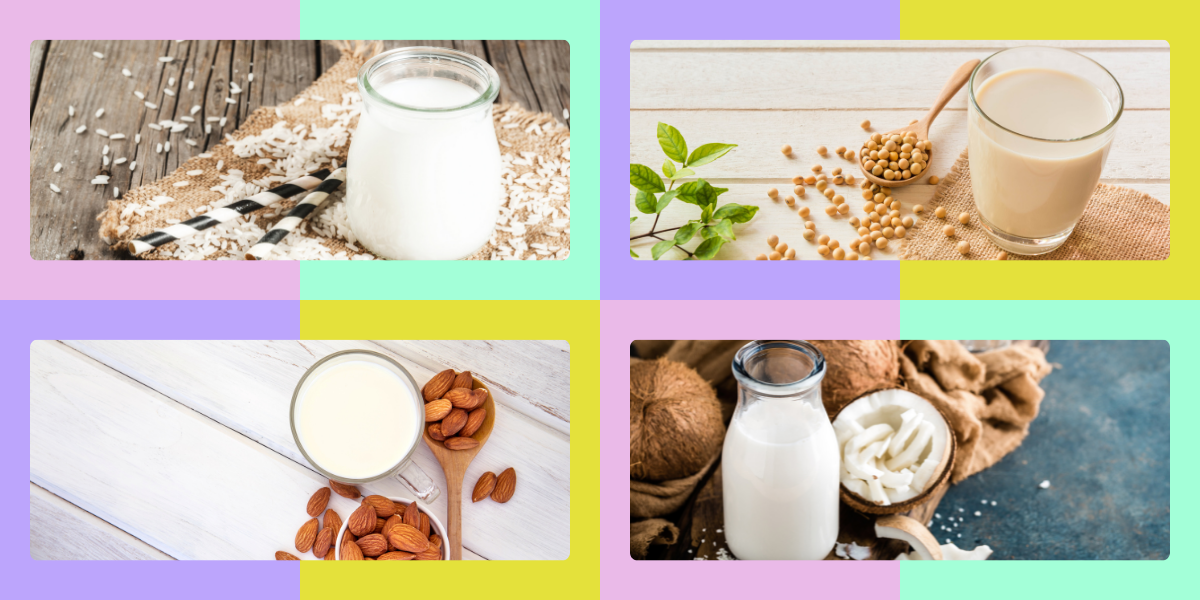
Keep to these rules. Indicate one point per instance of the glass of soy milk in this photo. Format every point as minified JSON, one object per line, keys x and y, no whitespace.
{"x":1041,"y":122}
{"x":357,"y":416}
{"x":780,"y":463}
{"x":423,"y":172}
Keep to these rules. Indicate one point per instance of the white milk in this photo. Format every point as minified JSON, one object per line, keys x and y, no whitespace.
{"x":1031,"y":188}
{"x":424,"y":186}
{"x":780,"y":474}
{"x":332,"y":427}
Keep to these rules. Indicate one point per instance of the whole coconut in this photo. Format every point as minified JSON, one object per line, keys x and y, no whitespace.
{"x":675,"y":423}
{"x":856,"y":367}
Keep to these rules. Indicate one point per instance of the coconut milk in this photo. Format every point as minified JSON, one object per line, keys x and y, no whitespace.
{"x":780,"y":475}
{"x":1029,"y":187}
{"x":357,"y":419}
{"x":424,"y":186}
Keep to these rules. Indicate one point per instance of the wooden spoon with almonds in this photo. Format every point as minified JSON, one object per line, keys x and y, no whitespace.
{"x":454,"y":466}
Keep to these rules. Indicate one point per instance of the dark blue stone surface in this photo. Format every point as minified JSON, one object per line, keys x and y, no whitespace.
{"x":1102,"y":439}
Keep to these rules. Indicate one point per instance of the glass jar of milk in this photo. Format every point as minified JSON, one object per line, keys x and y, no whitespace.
{"x":423,"y":173}
{"x":1040,"y":122}
{"x":780,"y":464}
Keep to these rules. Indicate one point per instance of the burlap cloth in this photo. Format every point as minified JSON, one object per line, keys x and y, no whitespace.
{"x":118,"y":231}
{"x":1118,"y":224}
{"x":990,"y":400}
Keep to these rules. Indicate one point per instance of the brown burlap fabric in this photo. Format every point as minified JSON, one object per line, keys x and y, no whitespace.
{"x":512,"y":124}
{"x":643,"y":534}
{"x":1118,"y":224}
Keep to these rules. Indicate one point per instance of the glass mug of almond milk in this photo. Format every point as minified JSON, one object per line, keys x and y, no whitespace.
{"x":423,"y":172}
{"x":357,"y":416}
{"x":780,"y":463}
{"x":1041,"y":122}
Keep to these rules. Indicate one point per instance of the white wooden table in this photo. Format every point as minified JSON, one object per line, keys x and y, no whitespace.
{"x":764,"y":94}
{"x":182,"y":449}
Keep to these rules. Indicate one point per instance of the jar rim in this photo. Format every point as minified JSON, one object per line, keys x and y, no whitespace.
{"x":429,"y":54}
{"x":768,"y":388}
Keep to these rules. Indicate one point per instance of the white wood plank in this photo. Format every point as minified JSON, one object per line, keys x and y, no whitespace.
{"x":536,"y":374}
{"x":659,"y":45}
{"x":846,"y":80}
{"x":59,"y":530}
{"x":247,"y":387}
{"x":1141,"y":150}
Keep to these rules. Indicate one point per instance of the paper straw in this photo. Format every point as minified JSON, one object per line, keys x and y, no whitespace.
{"x":227,"y":213}
{"x":298,"y":213}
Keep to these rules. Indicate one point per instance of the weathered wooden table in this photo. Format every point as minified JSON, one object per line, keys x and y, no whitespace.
{"x":535,"y":74}
{"x":764,"y":94}
{"x":170,"y":449}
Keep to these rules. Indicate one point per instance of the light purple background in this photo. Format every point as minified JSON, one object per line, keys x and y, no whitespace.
{"x":626,"y":321}
{"x":622,"y":22}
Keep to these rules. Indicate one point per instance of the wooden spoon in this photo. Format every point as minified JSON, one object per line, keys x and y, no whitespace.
{"x":454,"y":466}
{"x":921,"y":127}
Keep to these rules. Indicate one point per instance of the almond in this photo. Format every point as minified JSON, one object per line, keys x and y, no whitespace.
{"x":390,"y":523}
{"x":506,"y":484}
{"x":399,"y":506}
{"x":412,"y":515}
{"x":463,"y":380}
{"x":383,"y":506}
{"x":454,"y":422}
{"x":306,"y":536}
{"x":333,"y":520}
{"x":424,"y":528}
{"x":429,"y":554}
{"x":351,"y":551}
{"x":435,"y":541}
{"x":331,"y":554}
{"x":396,"y":555}
{"x":324,"y":541}
{"x":474,"y":421}
{"x":372,"y":545}
{"x":407,"y":538}
{"x":379,"y":523}
{"x":362,"y":520}
{"x":484,"y":487}
{"x":281,"y":555}
{"x":460,"y":397}
{"x":460,"y":443}
{"x":480,"y":397}
{"x":437,"y":410}
{"x":348,"y":537}
{"x":438,"y":386}
{"x":344,"y":490}
{"x":318,"y":502}
{"x":435,"y":432}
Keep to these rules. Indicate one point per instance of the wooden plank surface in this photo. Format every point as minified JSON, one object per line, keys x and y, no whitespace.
{"x":63,"y":73}
{"x":249,"y":402}
{"x":59,"y":530}
{"x":764,"y":94}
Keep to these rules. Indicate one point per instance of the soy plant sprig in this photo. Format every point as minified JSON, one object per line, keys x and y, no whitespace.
{"x":715,"y":225}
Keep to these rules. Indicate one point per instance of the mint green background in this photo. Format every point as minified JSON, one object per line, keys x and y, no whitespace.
{"x":1172,"y":321}
{"x":577,"y":22}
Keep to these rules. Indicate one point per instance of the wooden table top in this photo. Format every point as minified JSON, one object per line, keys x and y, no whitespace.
{"x":764,"y":94}
{"x":535,"y":74}
{"x":171,"y":449}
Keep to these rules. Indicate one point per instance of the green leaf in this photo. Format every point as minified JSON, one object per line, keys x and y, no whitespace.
{"x":672,"y":143}
{"x":645,"y":202}
{"x":708,"y":232}
{"x":669,"y":169}
{"x":644,"y":178}
{"x":683,"y":173}
{"x":707,"y":153}
{"x":665,"y":200}
{"x":698,"y":192}
{"x":720,"y":191}
{"x":686,"y":233}
{"x":632,"y":219}
{"x":706,"y":213}
{"x":661,"y":248}
{"x":707,"y":195}
{"x":633,"y":254}
{"x":709,"y":248}
{"x":736,"y":212}
{"x":725,"y":230}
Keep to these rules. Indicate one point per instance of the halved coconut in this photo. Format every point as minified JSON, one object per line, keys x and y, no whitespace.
{"x":896,"y":448}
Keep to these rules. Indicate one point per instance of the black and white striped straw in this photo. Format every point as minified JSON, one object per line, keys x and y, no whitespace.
{"x":295,"y":216}
{"x":227,"y":213}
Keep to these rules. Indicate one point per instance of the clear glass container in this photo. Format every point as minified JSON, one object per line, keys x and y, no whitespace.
{"x":423,"y":172}
{"x":780,"y":463}
{"x":1031,"y":191}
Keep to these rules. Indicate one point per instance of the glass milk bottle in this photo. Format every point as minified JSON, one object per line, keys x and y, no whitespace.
{"x":423,"y":173}
{"x":780,"y":462}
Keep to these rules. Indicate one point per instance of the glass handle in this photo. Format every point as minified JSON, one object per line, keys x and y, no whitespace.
{"x":416,"y":480}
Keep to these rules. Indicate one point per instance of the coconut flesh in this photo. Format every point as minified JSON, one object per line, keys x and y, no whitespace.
{"x":892,"y":443}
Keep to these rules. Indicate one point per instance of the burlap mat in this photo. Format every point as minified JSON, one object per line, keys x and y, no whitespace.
{"x":521,"y":234}
{"x":1118,"y":224}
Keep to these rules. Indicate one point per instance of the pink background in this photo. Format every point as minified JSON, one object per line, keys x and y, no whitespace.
{"x":626,"y":321}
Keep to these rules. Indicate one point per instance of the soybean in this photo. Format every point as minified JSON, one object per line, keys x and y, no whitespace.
{"x":786,"y":150}
{"x":940,"y":212}
{"x":964,"y":218}
{"x":964,"y":247}
{"x":948,"y":230}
